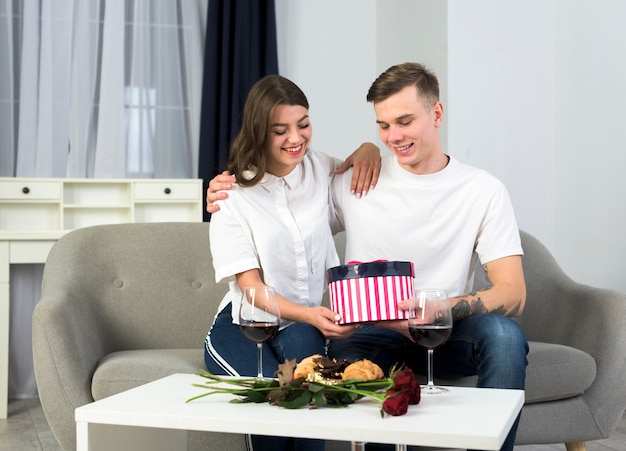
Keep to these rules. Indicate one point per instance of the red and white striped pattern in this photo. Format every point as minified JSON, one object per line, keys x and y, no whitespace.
{"x":370,"y":298}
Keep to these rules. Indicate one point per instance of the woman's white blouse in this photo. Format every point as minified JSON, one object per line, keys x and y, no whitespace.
{"x":280,"y":226}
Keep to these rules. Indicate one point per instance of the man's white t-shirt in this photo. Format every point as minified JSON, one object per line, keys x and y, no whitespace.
{"x":444,"y":222}
{"x":280,"y":226}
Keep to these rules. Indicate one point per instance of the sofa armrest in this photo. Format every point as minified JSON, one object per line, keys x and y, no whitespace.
{"x":560,"y":310}
{"x":67,"y":346}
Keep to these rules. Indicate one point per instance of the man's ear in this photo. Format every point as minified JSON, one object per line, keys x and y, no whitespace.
{"x":437,"y":112}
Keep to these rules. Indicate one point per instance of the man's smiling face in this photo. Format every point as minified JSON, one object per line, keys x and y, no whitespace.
{"x":409,"y":128}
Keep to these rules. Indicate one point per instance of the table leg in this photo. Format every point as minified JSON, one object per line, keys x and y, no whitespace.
{"x":82,"y":436}
{"x":4,"y":328}
{"x":360,"y":446}
{"x":105,"y":437}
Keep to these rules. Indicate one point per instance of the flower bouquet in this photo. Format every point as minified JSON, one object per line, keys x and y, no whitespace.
{"x":395,"y":392}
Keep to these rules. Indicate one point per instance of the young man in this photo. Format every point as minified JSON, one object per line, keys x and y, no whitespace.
{"x":444,"y":216}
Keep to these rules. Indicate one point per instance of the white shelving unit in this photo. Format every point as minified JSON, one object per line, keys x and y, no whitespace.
{"x":36,"y":212}
{"x":65,"y":204}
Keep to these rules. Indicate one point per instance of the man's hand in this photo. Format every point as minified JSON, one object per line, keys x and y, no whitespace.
{"x":223,"y":181}
{"x":366,"y":163}
{"x":400,"y":325}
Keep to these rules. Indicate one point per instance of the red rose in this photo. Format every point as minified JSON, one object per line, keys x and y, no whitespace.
{"x":405,"y":380}
{"x":396,"y":402}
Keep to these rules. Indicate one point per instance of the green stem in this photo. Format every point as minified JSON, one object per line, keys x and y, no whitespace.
{"x":367,"y":388}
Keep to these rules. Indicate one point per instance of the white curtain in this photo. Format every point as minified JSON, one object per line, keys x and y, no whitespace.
{"x":94,"y":88}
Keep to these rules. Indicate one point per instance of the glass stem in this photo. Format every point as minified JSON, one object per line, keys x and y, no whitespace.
{"x":259,"y":346}
{"x":430,"y":367}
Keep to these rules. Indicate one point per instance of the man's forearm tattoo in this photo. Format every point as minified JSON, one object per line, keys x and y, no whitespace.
{"x":467,"y":307}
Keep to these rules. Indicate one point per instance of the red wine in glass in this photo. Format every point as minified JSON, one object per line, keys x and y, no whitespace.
{"x":430,"y":326}
{"x":259,"y":317}
{"x":430,"y":336}
{"x":258,"y":332}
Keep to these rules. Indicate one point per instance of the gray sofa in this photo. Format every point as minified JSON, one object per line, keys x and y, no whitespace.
{"x":126,"y":304}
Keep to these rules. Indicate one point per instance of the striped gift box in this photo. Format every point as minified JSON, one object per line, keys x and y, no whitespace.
{"x":370,"y":291}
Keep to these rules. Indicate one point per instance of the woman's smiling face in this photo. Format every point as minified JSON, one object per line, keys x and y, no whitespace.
{"x":289,"y":137}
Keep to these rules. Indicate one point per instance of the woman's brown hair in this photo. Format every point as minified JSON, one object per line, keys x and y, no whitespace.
{"x":248,"y":150}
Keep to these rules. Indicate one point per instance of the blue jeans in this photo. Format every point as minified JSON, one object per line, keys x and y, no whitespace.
{"x":488,"y":345}
{"x":228,"y":352}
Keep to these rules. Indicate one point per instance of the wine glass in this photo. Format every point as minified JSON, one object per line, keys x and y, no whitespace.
{"x":430,"y":325}
{"x":259,"y":317}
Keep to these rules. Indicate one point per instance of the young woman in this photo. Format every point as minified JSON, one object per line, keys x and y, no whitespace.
{"x":273,"y":229}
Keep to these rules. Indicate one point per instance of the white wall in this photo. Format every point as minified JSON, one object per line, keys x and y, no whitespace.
{"x":414,"y":30}
{"x":328,"y":48}
{"x":501,"y":107}
{"x":536,"y":93}
{"x":590,"y":140}
{"x":533,"y":91}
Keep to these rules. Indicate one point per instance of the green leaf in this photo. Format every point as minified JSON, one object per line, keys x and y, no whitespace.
{"x":349,"y":398}
{"x":265,"y":384}
{"x":300,"y":401}
{"x":239,"y":401}
{"x":297,"y":382}
{"x":255,"y":396}
{"x":319,"y":398}
{"x":276,"y":396}
{"x":315,"y":387}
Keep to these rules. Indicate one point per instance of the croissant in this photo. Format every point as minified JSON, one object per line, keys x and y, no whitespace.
{"x":366,"y":370}
{"x":307,"y":366}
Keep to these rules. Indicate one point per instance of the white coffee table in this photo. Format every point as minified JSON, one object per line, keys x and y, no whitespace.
{"x":462,"y":418}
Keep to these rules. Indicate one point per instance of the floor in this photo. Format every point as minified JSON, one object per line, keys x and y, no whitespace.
{"x":26,"y":429}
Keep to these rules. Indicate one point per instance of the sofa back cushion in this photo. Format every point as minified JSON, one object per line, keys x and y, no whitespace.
{"x":151,"y":285}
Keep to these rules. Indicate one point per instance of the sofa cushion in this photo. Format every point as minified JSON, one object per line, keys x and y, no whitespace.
{"x":554,"y":372}
{"x":120,"y":371}
{"x":557,"y":372}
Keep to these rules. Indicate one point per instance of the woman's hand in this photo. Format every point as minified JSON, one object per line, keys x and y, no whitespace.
{"x":325,"y":319}
{"x":366,"y":163}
